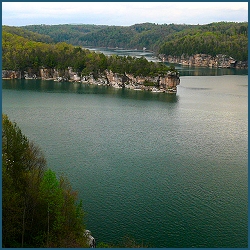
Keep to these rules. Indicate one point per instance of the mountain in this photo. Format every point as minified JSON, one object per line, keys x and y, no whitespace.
{"x":30,"y":35}
{"x":26,"y":51}
{"x":228,"y":38}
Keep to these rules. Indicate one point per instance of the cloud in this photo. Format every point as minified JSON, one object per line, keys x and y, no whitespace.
{"x":122,"y":13}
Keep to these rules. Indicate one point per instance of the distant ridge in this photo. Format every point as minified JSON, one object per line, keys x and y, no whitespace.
{"x":228,"y":38}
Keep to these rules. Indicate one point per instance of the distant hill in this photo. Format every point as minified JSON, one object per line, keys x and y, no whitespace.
{"x":30,"y":35}
{"x":136,"y":36}
{"x":217,"y":38}
{"x":228,"y":38}
{"x":26,"y":51}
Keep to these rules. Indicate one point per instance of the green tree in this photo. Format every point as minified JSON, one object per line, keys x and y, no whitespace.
{"x":20,"y":160}
{"x":52,"y":195}
{"x":38,"y":210}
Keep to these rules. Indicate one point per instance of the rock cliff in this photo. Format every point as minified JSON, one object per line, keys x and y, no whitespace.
{"x":204,"y":60}
{"x":165,"y":83}
{"x":11,"y":74}
{"x":162,"y":83}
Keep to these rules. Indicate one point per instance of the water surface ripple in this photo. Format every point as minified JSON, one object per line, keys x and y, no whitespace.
{"x":169,"y":171}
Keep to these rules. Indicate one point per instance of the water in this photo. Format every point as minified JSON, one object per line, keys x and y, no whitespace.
{"x":149,"y":55}
{"x":166,"y":170}
{"x":184,"y":70}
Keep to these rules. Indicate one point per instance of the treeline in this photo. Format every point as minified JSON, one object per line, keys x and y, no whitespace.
{"x":21,"y":53}
{"x":228,"y":38}
{"x":219,"y":38}
{"x":72,"y":34}
{"x":147,"y":35}
{"x":27,"y":34}
{"x":38,"y":209}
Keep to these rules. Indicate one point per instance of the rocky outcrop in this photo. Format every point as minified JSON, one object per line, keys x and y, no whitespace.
{"x":42,"y":73}
{"x":66,"y":75}
{"x":89,"y":239}
{"x":162,"y":83}
{"x":11,"y":74}
{"x":204,"y":60}
{"x":165,"y":83}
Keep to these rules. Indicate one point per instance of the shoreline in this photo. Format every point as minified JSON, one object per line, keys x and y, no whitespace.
{"x":116,"y":85}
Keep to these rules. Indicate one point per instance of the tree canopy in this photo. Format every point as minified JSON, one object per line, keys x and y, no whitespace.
{"x":38,"y":209}
{"x":230,"y":38}
{"x":21,"y":53}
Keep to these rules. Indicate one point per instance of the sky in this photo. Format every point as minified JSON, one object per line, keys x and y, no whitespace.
{"x":122,"y":13}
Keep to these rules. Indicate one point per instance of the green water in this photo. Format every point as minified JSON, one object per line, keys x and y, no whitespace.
{"x":166,"y":170}
{"x":184,"y":70}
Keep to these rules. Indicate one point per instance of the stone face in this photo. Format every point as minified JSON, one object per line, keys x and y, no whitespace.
{"x":204,"y":60}
{"x":11,"y":74}
{"x":114,"y":79}
{"x":169,"y":81}
{"x":165,"y":83}
{"x":47,"y":73}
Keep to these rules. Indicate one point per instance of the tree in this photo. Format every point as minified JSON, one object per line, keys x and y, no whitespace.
{"x":52,"y":195}
{"x":21,"y":160}
{"x":38,"y":210}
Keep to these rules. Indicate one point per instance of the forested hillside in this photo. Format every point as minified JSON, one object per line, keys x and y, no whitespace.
{"x":228,"y":38}
{"x":218,"y":38}
{"x":38,"y":209}
{"x":21,"y":53}
{"x":136,"y":36}
{"x":72,"y":34}
{"x":28,"y":34}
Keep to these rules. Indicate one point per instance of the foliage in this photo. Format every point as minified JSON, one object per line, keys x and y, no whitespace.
{"x":229,"y":38}
{"x":135,"y":36}
{"x":38,"y":209}
{"x":28,"y":34}
{"x":218,"y":38}
{"x":51,"y":194}
{"x":20,"y":53}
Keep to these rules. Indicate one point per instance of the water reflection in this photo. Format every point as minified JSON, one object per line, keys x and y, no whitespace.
{"x":202,"y":71}
{"x":82,"y":88}
{"x":147,"y":96}
{"x":149,"y":55}
{"x":184,"y":70}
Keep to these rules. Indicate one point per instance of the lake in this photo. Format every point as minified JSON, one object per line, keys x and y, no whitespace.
{"x":184,"y":70}
{"x":166,"y":170}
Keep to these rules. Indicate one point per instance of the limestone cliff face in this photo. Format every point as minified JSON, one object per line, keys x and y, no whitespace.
{"x":42,"y":73}
{"x":11,"y":74}
{"x":67,"y":74}
{"x":166,"y":83}
{"x":171,"y":80}
{"x":163,"y":83}
{"x":114,"y":78}
{"x":204,"y":60}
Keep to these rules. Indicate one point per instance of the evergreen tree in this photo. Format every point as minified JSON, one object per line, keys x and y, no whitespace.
{"x":38,"y":210}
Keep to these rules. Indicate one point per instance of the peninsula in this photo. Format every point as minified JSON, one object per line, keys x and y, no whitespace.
{"x":218,"y":44}
{"x":165,"y":83}
{"x":28,"y":55}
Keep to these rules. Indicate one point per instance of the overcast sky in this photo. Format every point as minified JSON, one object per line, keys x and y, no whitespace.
{"x":122,"y":13}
